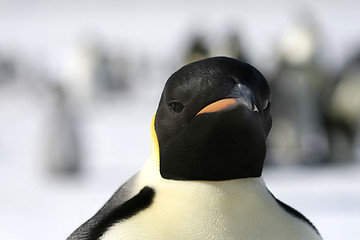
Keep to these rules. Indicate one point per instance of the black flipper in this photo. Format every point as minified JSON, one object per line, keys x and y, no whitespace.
{"x":294,"y":212}
{"x":129,"y":208}
{"x":119,"y":207}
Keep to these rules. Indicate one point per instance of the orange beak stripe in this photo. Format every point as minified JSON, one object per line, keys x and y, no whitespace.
{"x":219,"y":105}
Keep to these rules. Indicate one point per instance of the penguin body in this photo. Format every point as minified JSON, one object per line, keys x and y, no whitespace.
{"x":207,"y":187}
{"x":232,"y":209}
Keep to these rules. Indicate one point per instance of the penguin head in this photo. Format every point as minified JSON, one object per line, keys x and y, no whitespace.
{"x":212,"y":121}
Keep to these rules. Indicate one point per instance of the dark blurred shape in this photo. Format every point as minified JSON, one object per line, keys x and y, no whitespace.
{"x":297,"y":135}
{"x":63,"y":151}
{"x":198,"y":49}
{"x":342,"y":112}
{"x":92,"y":71}
{"x":229,"y":44}
{"x":110,"y":73}
{"x":232,"y":46}
{"x":7,"y":69}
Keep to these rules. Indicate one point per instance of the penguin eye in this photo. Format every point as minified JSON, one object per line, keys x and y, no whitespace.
{"x":176,"y":106}
{"x":266,"y":104}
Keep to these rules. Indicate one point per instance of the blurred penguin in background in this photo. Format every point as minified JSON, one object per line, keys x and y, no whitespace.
{"x":63,"y":144}
{"x":198,"y":49}
{"x":342,"y":112}
{"x":228,"y":44}
{"x":298,"y":136}
{"x":7,"y":69}
{"x":231,"y":45}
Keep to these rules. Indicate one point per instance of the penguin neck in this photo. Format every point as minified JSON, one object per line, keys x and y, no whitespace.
{"x":152,"y":166}
{"x":150,"y":176}
{"x":153,"y":162}
{"x":235,"y":188}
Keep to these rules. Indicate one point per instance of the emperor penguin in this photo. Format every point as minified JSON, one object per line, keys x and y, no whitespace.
{"x":203,"y":179}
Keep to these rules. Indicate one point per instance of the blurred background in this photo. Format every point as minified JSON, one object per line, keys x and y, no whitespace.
{"x":81,"y":80}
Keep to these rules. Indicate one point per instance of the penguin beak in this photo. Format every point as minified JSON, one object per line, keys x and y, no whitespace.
{"x":240,"y":96}
{"x":225,"y":104}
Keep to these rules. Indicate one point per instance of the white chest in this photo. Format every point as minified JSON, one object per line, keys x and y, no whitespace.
{"x":237,"y":209}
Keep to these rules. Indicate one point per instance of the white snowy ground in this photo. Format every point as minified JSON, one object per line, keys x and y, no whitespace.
{"x":35,"y":205}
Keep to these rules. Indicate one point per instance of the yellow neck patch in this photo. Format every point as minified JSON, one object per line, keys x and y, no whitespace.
{"x":155,"y":153}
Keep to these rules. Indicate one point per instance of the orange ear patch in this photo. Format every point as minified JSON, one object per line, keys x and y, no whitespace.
{"x":218,"y":105}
